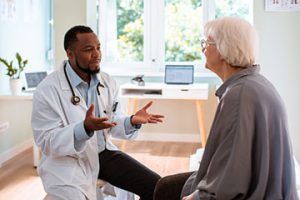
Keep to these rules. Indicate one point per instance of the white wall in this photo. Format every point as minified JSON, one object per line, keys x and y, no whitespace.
{"x":279,"y":34}
{"x":26,"y":34}
{"x":18,"y":136}
{"x":67,"y":13}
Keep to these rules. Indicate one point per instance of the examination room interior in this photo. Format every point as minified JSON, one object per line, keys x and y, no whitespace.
{"x":36,"y":29}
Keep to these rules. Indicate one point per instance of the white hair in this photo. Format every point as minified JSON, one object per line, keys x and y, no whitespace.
{"x":236,"y":40}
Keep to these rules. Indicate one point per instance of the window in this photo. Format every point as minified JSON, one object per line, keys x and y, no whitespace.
{"x":124,"y":41}
{"x":183,"y":29}
{"x":142,"y":36}
{"x":240,"y":8}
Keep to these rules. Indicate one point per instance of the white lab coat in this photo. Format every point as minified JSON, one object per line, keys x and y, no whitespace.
{"x":70,"y":172}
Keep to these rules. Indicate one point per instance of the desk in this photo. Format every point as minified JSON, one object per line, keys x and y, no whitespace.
{"x":22,"y":96}
{"x":195,"y":92}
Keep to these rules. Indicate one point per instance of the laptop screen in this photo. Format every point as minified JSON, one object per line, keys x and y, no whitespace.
{"x":179,"y":74}
{"x":32,"y":79}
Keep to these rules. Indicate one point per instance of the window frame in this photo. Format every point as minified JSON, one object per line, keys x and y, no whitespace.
{"x":154,"y":42}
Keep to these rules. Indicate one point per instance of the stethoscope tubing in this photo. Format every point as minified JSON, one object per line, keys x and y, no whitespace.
{"x":75,"y":100}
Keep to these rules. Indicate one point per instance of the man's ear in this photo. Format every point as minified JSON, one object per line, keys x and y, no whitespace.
{"x":70,"y":53}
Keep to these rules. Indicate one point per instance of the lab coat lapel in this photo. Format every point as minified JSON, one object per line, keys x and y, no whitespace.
{"x":103,"y":98}
{"x":66,"y":88}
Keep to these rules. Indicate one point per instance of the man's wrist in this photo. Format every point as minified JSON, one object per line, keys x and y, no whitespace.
{"x":89,"y":132}
{"x":131,"y":120}
{"x":137,"y":126}
{"x":81,"y":133}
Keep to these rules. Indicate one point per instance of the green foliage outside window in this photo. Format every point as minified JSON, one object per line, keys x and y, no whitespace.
{"x":183,"y":34}
{"x":232,"y":8}
{"x":183,"y":27}
{"x":183,"y":30}
{"x":130,"y":29}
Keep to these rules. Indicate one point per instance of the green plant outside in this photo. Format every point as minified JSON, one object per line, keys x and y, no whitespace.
{"x":182,"y":42}
{"x":184,"y":27}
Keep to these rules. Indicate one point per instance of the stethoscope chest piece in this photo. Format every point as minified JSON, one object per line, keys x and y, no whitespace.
{"x":75,"y":100}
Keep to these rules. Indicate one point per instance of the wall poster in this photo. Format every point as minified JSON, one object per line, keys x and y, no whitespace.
{"x":282,"y":5}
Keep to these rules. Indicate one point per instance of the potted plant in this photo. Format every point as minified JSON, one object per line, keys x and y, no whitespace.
{"x":14,"y":72}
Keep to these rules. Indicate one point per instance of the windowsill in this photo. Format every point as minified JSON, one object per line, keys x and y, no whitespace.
{"x":203,"y":73}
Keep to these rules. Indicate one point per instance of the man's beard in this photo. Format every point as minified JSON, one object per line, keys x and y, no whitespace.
{"x":87,"y":70}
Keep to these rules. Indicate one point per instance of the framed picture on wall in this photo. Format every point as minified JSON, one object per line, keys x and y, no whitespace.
{"x":282,"y":5}
{"x":8,"y":10}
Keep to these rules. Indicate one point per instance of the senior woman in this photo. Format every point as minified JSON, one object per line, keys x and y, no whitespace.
{"x":248,"y":153}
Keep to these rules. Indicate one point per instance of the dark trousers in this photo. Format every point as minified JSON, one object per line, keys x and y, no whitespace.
{"x":122,"y":171}
{"x":169,"y":187}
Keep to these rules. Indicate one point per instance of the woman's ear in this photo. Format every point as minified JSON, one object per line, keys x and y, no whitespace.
{"x":221,"y":57}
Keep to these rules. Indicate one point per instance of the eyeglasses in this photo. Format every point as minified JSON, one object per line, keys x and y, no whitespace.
{"x":204,"y":43}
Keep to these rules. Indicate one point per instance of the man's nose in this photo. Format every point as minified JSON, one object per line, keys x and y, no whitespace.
{"x":96,"y":53}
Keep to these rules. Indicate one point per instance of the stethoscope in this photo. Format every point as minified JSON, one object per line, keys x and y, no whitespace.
{"x":76,"y":99}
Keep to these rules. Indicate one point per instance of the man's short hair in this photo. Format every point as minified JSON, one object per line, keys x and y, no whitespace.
{"x":70,"y":36}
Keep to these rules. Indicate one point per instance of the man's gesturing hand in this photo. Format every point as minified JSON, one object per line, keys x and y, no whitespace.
{"x":143,"y":117}
{"x":92,"y":123}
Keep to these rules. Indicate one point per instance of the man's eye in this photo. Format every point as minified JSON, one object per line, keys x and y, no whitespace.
{"x":88,"y":49}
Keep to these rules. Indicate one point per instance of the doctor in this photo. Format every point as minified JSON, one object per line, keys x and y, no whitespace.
{"x":75,"y":111}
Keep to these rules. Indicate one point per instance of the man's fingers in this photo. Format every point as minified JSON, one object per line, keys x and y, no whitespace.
{"x":154,"y":120}
{"x":147,"y":105}
{"x":158,"y":116}
{"x":90,"y":111}
{"x":100,"y":119}
{"x":105,"y":125}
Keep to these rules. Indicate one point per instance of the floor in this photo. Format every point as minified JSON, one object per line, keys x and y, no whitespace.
{"x":19,"y":180}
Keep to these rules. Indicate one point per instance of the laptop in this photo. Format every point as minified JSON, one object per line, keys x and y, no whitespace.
{"x":179,"y":74}
{"x":32,"y":79}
